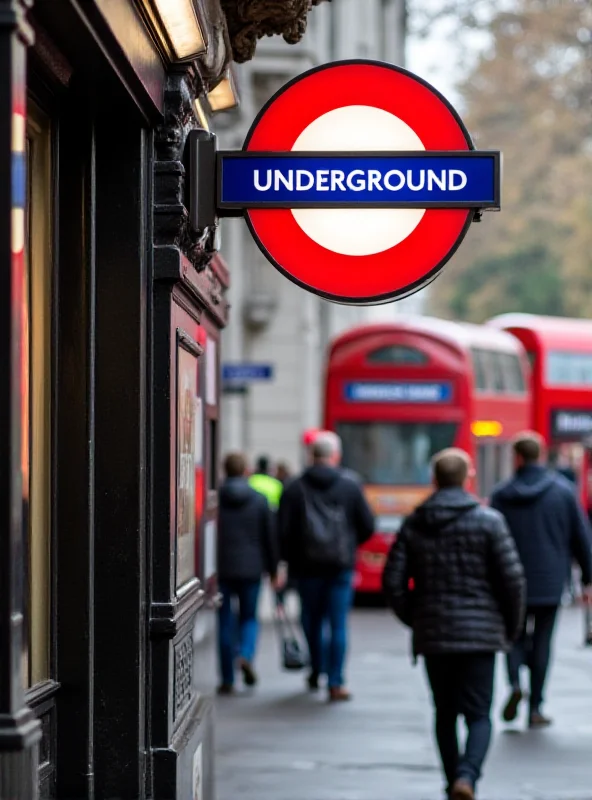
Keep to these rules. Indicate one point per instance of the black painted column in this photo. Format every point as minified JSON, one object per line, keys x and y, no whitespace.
{"x":124,"y":164}
{"x":75,"y":443}
{"x":19,"y":730}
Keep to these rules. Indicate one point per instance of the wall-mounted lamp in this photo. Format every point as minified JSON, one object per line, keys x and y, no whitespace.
{"x":181,"y":22}
{"x":201,"y":115}
{"x":225,"y":95}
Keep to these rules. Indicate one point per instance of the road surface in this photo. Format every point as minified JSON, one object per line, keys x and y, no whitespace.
{"x":280,"y":743}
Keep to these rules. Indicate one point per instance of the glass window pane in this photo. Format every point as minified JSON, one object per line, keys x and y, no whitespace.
{"x":187,"y":369}
{"x":213,"y":456}
{"x":569,"y":369}
{"x":394,"y":453}
{"x":397,"y":354}
{"x":37,"y":344}
{"x":487,"y":465}
{"x":480,"y":370}
{"x":513,"y":375}
{"x":482,"y":470}
{"x":498,"y":465}
{"x":497,"y":372}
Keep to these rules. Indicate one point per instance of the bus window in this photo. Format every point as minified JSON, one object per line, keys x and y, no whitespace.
{"x":482,"y":469}
{"x":494,"y":465}
{"x":569,"y":369}
{"x":497,"y":372}
{"x":397,"y":354}
{"x":507,"y":461}
{"x":502,"y":465}
{"x":480,"y":370}
{"x":512,"y":373}
{"x":488,"y":465}
{"x":394,"y":453}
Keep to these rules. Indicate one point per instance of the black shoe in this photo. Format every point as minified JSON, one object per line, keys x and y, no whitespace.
{"x":510,"y":711}
{"x":339,"y":694}
{"x":226,"y":689}
{"x":536,"y":720}
{"x":462,"y":790}
{"x":313,"y":681}
{"x":249,"y":675}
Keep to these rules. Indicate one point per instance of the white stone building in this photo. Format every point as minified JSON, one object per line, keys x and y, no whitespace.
{"x":272,"y":320}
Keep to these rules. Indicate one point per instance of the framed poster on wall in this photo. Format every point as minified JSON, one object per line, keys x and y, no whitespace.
{"x":188,"y":455}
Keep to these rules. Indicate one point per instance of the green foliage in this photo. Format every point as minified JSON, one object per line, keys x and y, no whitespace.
{"x":526,"y":281}
{"x":529,"y":95}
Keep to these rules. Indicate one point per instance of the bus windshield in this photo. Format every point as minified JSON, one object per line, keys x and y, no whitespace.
{"x":394,"y":453}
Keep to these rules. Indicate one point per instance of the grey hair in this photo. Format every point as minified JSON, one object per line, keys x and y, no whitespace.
{"x":326,"y":444}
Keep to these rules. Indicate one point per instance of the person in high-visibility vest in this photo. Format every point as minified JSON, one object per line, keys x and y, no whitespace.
{"x":261,"y":481}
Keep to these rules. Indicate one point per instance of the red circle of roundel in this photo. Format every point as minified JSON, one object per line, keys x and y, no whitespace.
{"x":401,"y":269}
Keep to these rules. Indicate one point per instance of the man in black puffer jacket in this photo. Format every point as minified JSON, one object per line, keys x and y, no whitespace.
{"x":550,"y":530}
{"x":466,"y":604}
{"x":247,"y":549}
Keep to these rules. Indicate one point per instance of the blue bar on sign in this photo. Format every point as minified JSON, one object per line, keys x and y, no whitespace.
{"x":247,"y":372}
{"x":422,"y":179}
{"x":398,"y":392}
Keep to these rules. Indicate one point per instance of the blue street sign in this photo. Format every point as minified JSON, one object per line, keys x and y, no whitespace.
{"x":247,"y":372}
{"x":422,"y":179}
{"x":398,"y":392}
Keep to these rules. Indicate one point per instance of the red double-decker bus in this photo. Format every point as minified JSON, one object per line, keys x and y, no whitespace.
{"x":398,"y":393}
{"x":560,"y":353}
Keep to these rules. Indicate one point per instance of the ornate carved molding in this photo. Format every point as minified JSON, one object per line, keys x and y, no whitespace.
{"x":171,"y":223}
{"x":188,"y":255}
{"x":213,"y":64}
{"x":183,"y":674}
{"x":179,"y":115}
{"x":250,"y":20}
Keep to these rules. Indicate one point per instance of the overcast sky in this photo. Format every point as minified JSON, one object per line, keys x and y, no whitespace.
{"x":437,"y":57}
{"x":433,"y":59}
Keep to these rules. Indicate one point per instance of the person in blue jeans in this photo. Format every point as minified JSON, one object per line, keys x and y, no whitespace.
{"x":247,"y":550}
{"x":324,"y":579}
{"x":551,"y":531}
{"x":325,"y":605}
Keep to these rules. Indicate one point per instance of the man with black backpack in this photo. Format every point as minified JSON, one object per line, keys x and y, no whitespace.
{"x":323,"y":518}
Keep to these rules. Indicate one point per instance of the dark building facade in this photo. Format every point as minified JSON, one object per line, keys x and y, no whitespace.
{"x":111,"y":308}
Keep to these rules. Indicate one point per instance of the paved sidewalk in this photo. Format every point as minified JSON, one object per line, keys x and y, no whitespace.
{"x":279,"y":743}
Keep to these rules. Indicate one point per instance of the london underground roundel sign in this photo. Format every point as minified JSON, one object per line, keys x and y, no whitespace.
{"x":358,"y":181}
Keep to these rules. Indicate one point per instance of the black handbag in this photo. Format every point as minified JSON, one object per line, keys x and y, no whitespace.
{"x":292,"y":653}
{"x":587,"y":626}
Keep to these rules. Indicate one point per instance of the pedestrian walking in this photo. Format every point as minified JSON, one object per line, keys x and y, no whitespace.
{"x":323,"y":518}
{"x":466,"y":604}
{"x":563,"y":467}
{"x":282,"y":473}
{"x":550,"y":531}
{"x":247,"y":549}
{"x":264,"y":483}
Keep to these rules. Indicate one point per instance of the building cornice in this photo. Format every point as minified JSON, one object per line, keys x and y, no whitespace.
{"x":250,"y":20}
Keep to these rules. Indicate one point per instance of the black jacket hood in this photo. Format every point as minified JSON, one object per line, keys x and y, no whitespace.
{"x":235,"y":492}
{"x":321,"y":476}
{"x":528,"y":484}
{"x":442,"y":509}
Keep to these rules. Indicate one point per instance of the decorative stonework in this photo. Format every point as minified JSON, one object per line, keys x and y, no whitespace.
{"x":214,"y":62}
{"x":183,"y":673}
{"x":171,"y":222}
{"x":250,"y":20}
{"x":179,"y":115}
{"x":182,"y":252}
